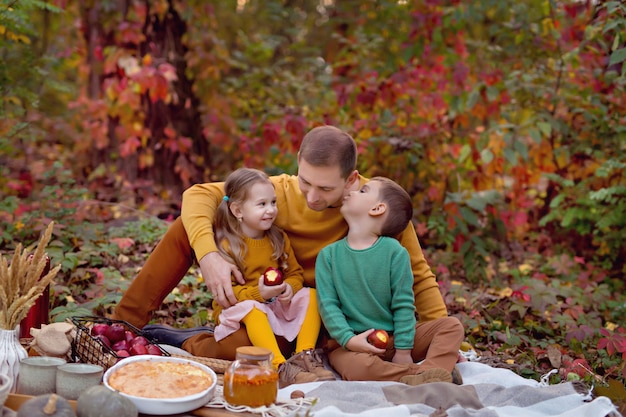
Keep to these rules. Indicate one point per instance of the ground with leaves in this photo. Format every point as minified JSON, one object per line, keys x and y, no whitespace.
{"x":538,"y":313}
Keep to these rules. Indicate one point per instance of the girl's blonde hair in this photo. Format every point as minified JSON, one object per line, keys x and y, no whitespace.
{"x":228,"y":235}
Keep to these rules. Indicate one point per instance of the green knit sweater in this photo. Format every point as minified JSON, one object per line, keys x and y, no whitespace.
{"x":359,"y":290}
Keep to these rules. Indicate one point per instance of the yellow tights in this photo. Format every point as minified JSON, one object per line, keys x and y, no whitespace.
{"x":261,"y":334}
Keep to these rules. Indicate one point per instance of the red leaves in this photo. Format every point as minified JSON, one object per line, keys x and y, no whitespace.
{"x":613,"y":342}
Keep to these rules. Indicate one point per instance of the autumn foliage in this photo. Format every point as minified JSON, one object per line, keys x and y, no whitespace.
{"x":503,"y":119}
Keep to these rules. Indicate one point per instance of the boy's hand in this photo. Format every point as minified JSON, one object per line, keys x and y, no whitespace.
{"x":359,"y":343}
{"x":402,"y":356}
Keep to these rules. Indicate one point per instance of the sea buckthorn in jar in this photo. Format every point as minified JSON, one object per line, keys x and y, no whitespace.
{"x":251,"y":380}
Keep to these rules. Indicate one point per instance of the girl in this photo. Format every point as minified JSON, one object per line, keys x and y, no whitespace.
{"x":247,"y":237}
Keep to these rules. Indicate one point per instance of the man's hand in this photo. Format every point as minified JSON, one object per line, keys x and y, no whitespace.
{"x":359,"y":343}
{"x":216,"y":272}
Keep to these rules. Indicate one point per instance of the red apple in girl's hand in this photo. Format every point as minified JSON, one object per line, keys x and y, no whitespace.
{"x":272,"y":276}
{"x":378,"y":338}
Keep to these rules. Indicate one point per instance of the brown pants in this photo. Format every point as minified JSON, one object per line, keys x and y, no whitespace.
{"x":436,"y":341}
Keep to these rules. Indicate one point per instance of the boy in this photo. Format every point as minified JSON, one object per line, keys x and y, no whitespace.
{"x":364,"y":282}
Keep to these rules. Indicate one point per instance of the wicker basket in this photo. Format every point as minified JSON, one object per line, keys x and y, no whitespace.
{"x":88,"y":349}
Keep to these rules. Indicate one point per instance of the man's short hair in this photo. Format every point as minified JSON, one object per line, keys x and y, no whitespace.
{"x":326,"y":146}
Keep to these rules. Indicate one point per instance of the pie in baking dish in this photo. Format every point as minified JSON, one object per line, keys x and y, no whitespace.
{"x":150,"y":379}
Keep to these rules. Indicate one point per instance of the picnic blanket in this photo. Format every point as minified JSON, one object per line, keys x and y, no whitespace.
{"x":486,"y":392}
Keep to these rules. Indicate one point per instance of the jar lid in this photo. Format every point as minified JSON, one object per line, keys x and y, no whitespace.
{"x":254,"y":352}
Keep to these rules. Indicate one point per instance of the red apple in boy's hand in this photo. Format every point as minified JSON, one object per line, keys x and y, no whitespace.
{"x":272,"y":276}
{"x":378,"y":338}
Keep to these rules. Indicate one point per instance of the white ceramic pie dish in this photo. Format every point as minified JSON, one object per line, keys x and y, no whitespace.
{"x":165,"y":406}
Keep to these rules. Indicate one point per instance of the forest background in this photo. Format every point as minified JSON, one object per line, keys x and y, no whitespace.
{"x":504,"y":119}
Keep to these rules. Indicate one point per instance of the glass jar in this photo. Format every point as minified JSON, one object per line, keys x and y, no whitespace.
{"x":251,"y":380}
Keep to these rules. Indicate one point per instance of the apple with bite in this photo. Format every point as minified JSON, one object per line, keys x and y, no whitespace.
{"x":272,"y":276}
{"x":378,"y":338}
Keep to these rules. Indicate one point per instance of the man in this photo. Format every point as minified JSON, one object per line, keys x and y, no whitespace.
{"x":308,"y":211}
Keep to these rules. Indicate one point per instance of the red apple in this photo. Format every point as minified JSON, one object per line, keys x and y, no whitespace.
{"x":138,"y":350}
{"x":139,"y":340}
{"x":120,"y":345}
{"x":129,"y":336}
{"x":99,"y":328}
{"x":154,"y":350}
{"x":102,"y":338}
{"x":122,"y":354}
{"x":116,"y":332}
{"x":378,"y":338}
{"x":272,"y":276}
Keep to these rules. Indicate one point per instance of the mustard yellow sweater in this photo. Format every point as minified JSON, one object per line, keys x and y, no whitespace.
{"x":258,"y":258}
{"x":309,"y":231}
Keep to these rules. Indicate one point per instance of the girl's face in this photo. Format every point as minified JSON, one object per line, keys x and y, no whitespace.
{"x":258,"y":211}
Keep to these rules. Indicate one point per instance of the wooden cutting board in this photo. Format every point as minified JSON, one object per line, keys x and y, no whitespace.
{"x":15,"y":401}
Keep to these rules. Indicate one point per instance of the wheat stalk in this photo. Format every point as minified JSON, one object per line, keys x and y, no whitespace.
{"x":20,"y":283}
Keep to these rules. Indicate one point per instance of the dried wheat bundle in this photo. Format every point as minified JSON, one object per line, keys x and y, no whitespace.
{"x":20,"y":283}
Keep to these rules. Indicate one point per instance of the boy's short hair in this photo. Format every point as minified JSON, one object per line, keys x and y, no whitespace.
{"x":399,"y":207}
{"x":326,"y":146}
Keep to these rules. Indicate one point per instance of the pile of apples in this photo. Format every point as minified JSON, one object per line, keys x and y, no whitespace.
{"x":123,"y":342}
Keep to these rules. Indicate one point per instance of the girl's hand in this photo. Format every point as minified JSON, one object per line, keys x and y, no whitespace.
{"x":359,"y":343}
{"x":269,"y":292}
{"x":287,"y":294}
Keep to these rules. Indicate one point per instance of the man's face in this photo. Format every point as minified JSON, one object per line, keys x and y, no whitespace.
{"x":322,"y":187}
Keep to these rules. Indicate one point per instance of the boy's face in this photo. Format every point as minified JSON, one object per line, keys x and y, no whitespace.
{"x":359,"y":203}
{"x":323,"y":187}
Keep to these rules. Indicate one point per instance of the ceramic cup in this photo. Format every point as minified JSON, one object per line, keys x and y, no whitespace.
{"x":38,"y":375}
{"x":74,"y":378}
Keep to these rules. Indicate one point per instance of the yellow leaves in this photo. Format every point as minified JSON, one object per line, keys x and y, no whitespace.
{"x":525,"y":268}
{"x":13,"y":100}
{"x":505,"y":292}
{"x":16,"y":37}
{"x":610,"y":326}
{"x":365,"y":134}
{"x":466,"y":346}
